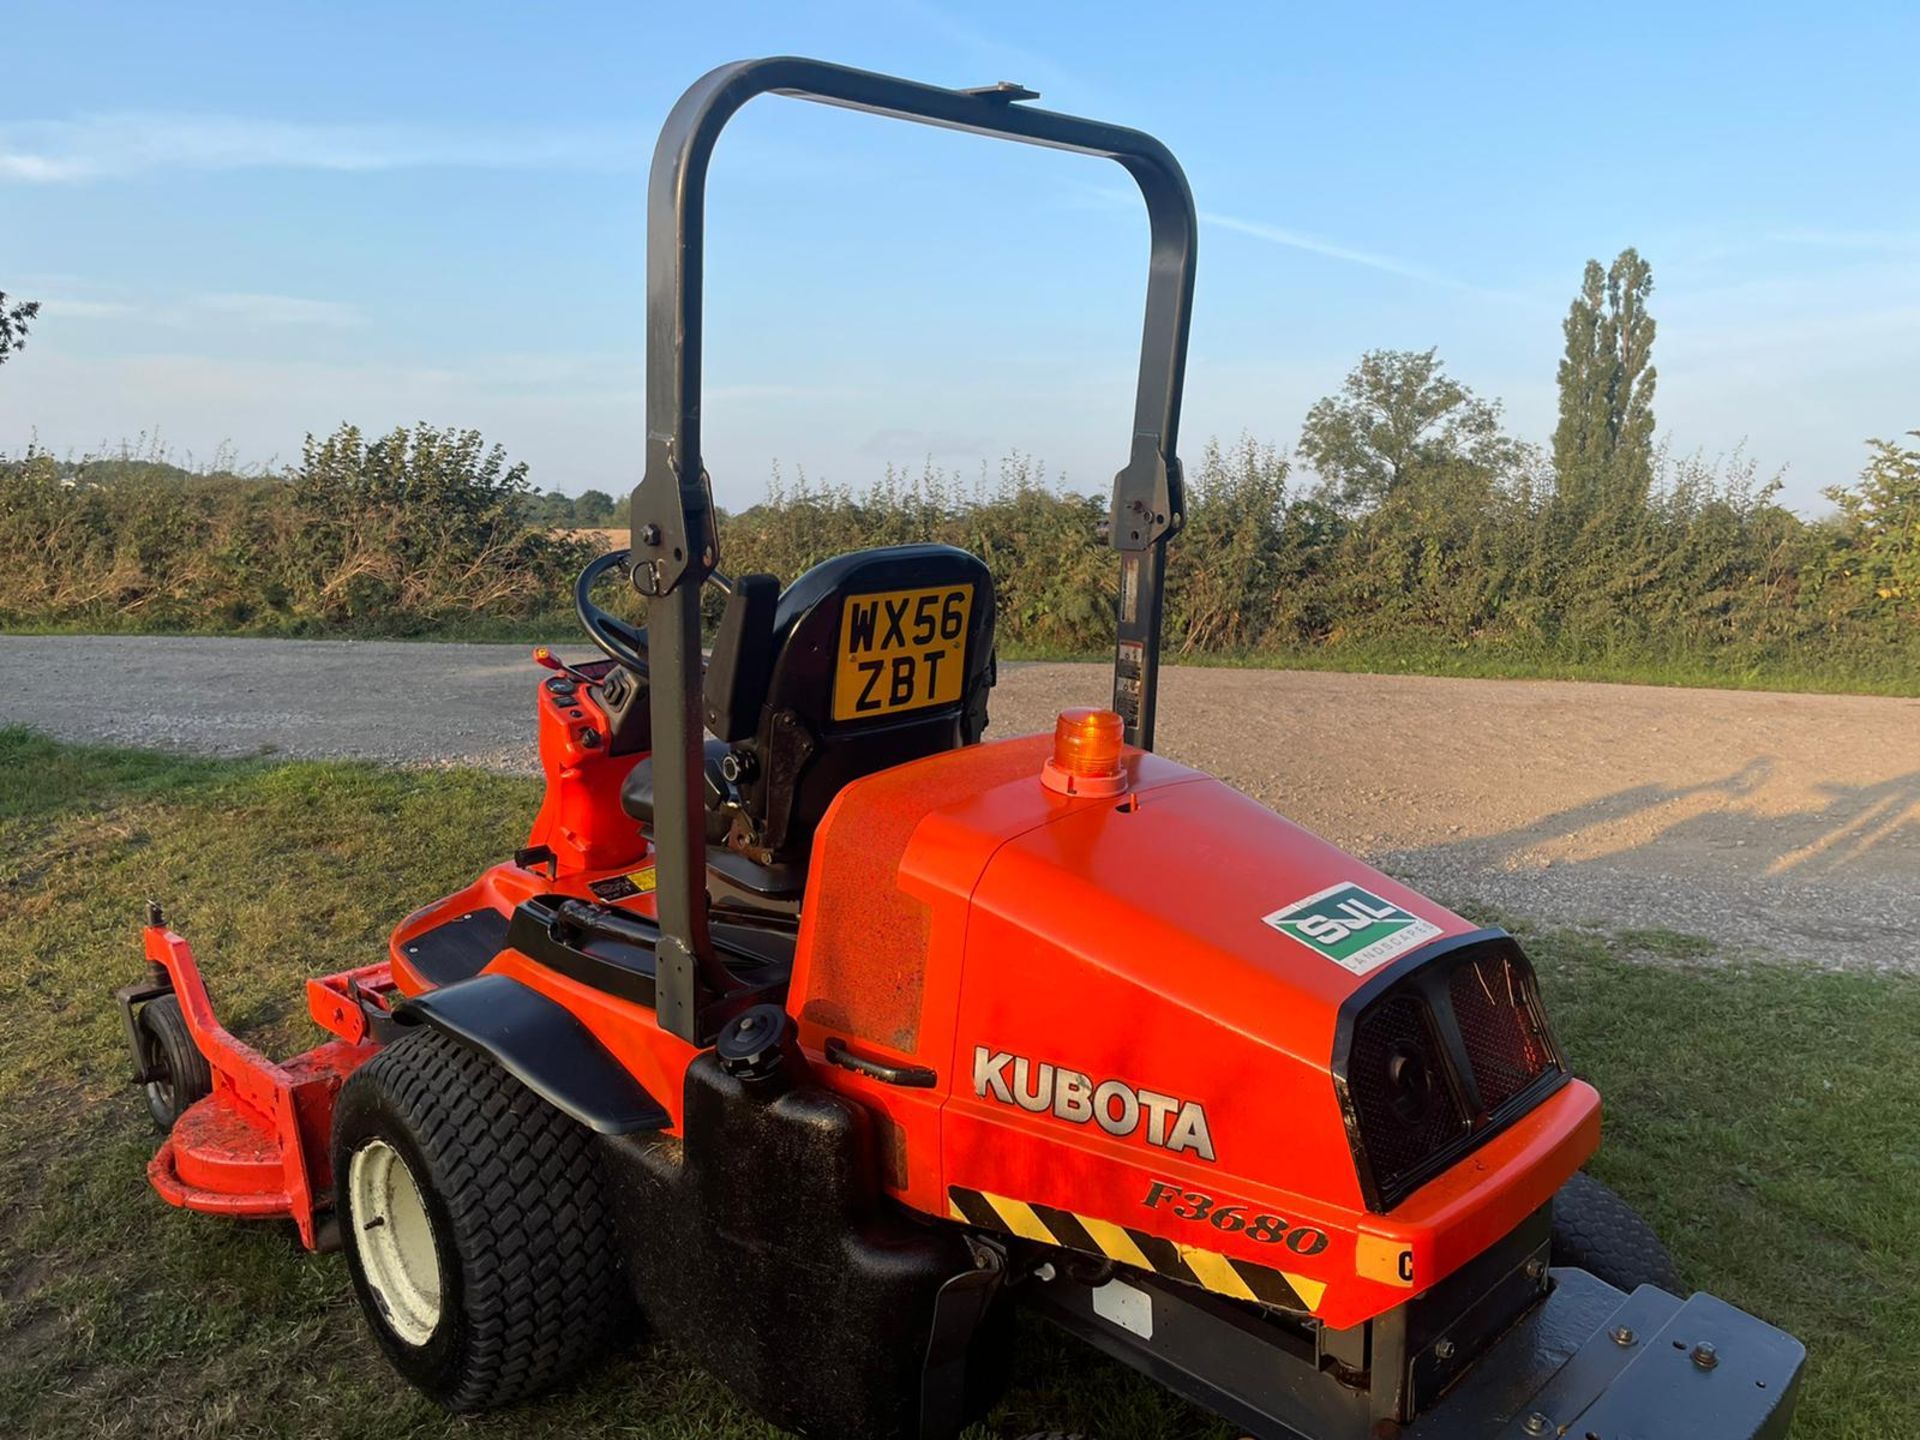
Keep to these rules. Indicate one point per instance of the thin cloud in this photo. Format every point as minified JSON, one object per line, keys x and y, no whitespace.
{"x":283,"y":310}
{"x":114,"y":146}
{"x":61,"y":307}
{"x":1894,"y":241}
{"x":38,"y":169}
{"x":1314,"y":245}
{"x":199,"y":312}
{"x":1108,"y":195}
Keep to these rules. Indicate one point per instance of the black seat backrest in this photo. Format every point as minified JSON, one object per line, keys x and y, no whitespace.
{"x":878,"y":657}
{"x":741,"y":666}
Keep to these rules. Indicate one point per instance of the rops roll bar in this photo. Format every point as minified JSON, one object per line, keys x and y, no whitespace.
{"x":675,"y":546}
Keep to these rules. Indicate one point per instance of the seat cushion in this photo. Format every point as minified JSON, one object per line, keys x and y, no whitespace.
{"x":636,"y":796}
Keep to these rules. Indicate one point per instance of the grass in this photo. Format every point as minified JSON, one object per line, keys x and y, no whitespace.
{"x":1767,"y":1120}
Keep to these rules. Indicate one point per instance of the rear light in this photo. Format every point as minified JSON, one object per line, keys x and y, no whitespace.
{"x":1433,"y":1060}
{"x":1498,"y":1011}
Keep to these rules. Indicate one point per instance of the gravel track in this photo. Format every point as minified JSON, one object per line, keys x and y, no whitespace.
{"x":1771,"y":824}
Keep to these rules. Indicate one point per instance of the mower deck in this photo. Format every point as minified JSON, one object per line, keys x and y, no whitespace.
{"x":226,"y":1158}
{"x":256,"y":1147}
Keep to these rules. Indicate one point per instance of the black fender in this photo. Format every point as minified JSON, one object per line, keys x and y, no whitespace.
{"x":541,"y":1044}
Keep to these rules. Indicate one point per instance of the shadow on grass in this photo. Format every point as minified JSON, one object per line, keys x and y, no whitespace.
{"x":41,"y":778}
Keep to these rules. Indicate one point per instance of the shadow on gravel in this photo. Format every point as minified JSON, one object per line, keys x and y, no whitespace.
{"x":1855,"y":823}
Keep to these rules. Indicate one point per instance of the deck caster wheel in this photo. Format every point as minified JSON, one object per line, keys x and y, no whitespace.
{"x":177,"y":1073}
{"x":1597,"y":1231}
{"x":477,"y":1228}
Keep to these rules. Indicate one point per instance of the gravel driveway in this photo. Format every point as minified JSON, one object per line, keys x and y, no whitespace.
{"x":1786,"y":825}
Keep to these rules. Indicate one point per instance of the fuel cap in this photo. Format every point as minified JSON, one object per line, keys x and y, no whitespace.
{"x":752,"y":1046}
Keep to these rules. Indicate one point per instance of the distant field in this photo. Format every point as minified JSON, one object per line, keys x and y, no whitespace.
{"x":600,"y":539}
{"x":1764,"y":1117}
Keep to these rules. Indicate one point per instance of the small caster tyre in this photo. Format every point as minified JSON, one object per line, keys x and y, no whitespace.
{"x":1597,"y":1231}
{"x":177,"y":1073}
{"x":477,"y":1228}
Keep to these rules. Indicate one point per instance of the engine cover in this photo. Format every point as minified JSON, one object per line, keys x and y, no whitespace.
{"x":1177,"y":1031}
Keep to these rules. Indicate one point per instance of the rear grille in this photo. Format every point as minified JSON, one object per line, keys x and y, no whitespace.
{"x":1498,"y":1013}
{"x":1402,"y":1130}
{"x":1453,"y":1051}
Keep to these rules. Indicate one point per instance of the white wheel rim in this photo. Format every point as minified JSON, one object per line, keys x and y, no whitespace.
{"x":394,"y":1239}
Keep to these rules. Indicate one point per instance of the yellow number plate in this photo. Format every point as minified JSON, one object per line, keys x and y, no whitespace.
{"x":901,"y":650}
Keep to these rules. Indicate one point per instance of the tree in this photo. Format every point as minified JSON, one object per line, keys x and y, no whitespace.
{"x":1876,"y":552}
{"x":1603,"y":445}
{"x":593,"y":508}
{"x":1398,"y":411}
{"x":13,"y":324}
{"x":417,"y":523}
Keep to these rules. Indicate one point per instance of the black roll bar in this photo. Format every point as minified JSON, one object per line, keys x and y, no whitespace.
{"x":675,"y":546}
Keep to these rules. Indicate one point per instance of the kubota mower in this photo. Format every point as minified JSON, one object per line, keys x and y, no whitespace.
{"x":822,"y":1033}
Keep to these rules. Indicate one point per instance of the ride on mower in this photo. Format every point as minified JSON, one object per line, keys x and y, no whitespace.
{"x":821,"y":1033}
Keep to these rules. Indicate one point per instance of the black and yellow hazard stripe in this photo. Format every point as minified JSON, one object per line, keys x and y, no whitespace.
{"x":1126,"y":1246}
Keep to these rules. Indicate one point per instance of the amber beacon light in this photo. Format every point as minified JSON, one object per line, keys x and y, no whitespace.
{"x":1086,"y":753}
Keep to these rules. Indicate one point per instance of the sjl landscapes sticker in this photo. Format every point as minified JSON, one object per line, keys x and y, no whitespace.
{"x":1352,"y":927}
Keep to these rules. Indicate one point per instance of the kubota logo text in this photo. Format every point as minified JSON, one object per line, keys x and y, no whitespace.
{"x":1115,"y":1106}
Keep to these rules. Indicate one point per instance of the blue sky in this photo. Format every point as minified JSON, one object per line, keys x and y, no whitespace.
{"x":249,"y":222}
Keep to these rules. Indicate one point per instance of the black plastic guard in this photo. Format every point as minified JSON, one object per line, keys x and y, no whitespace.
{"x":542,"y":1045}
{"x":758,"y":1241}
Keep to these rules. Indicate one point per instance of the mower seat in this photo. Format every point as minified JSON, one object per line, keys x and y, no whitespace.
{"x":867,"y":661}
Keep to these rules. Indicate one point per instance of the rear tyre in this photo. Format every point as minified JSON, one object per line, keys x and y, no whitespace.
{"x":1595,"y":1230}
{"x":476,"y":1225}
{"x":177,"y":1073}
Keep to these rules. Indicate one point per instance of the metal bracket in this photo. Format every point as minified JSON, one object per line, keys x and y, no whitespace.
{"x":674,"y":535}
{"x":128,"y":1000}
{"x":1147,"y":498}
{"x":790,"y":746}
{"x":958,"y":1311}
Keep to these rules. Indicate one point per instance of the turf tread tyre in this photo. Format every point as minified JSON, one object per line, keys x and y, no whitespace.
{"x":532,"y":1289}
{"x":170,"y":1046}
{"x":1597,"y":1231}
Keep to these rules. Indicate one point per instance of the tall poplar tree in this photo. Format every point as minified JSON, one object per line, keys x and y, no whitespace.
{"x":1603,"y":445}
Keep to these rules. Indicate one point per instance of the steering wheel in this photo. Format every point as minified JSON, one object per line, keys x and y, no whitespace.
{"x":620,"y":642}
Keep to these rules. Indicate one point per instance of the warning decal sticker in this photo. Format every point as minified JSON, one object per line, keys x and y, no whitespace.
{"x":1352,"y":927}
{"x":624,"y":887}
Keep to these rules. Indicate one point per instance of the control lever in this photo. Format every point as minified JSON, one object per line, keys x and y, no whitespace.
{"x":543,"y":656}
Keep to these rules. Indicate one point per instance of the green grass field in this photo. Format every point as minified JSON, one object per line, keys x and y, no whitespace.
{"x":1767,"y":1120}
